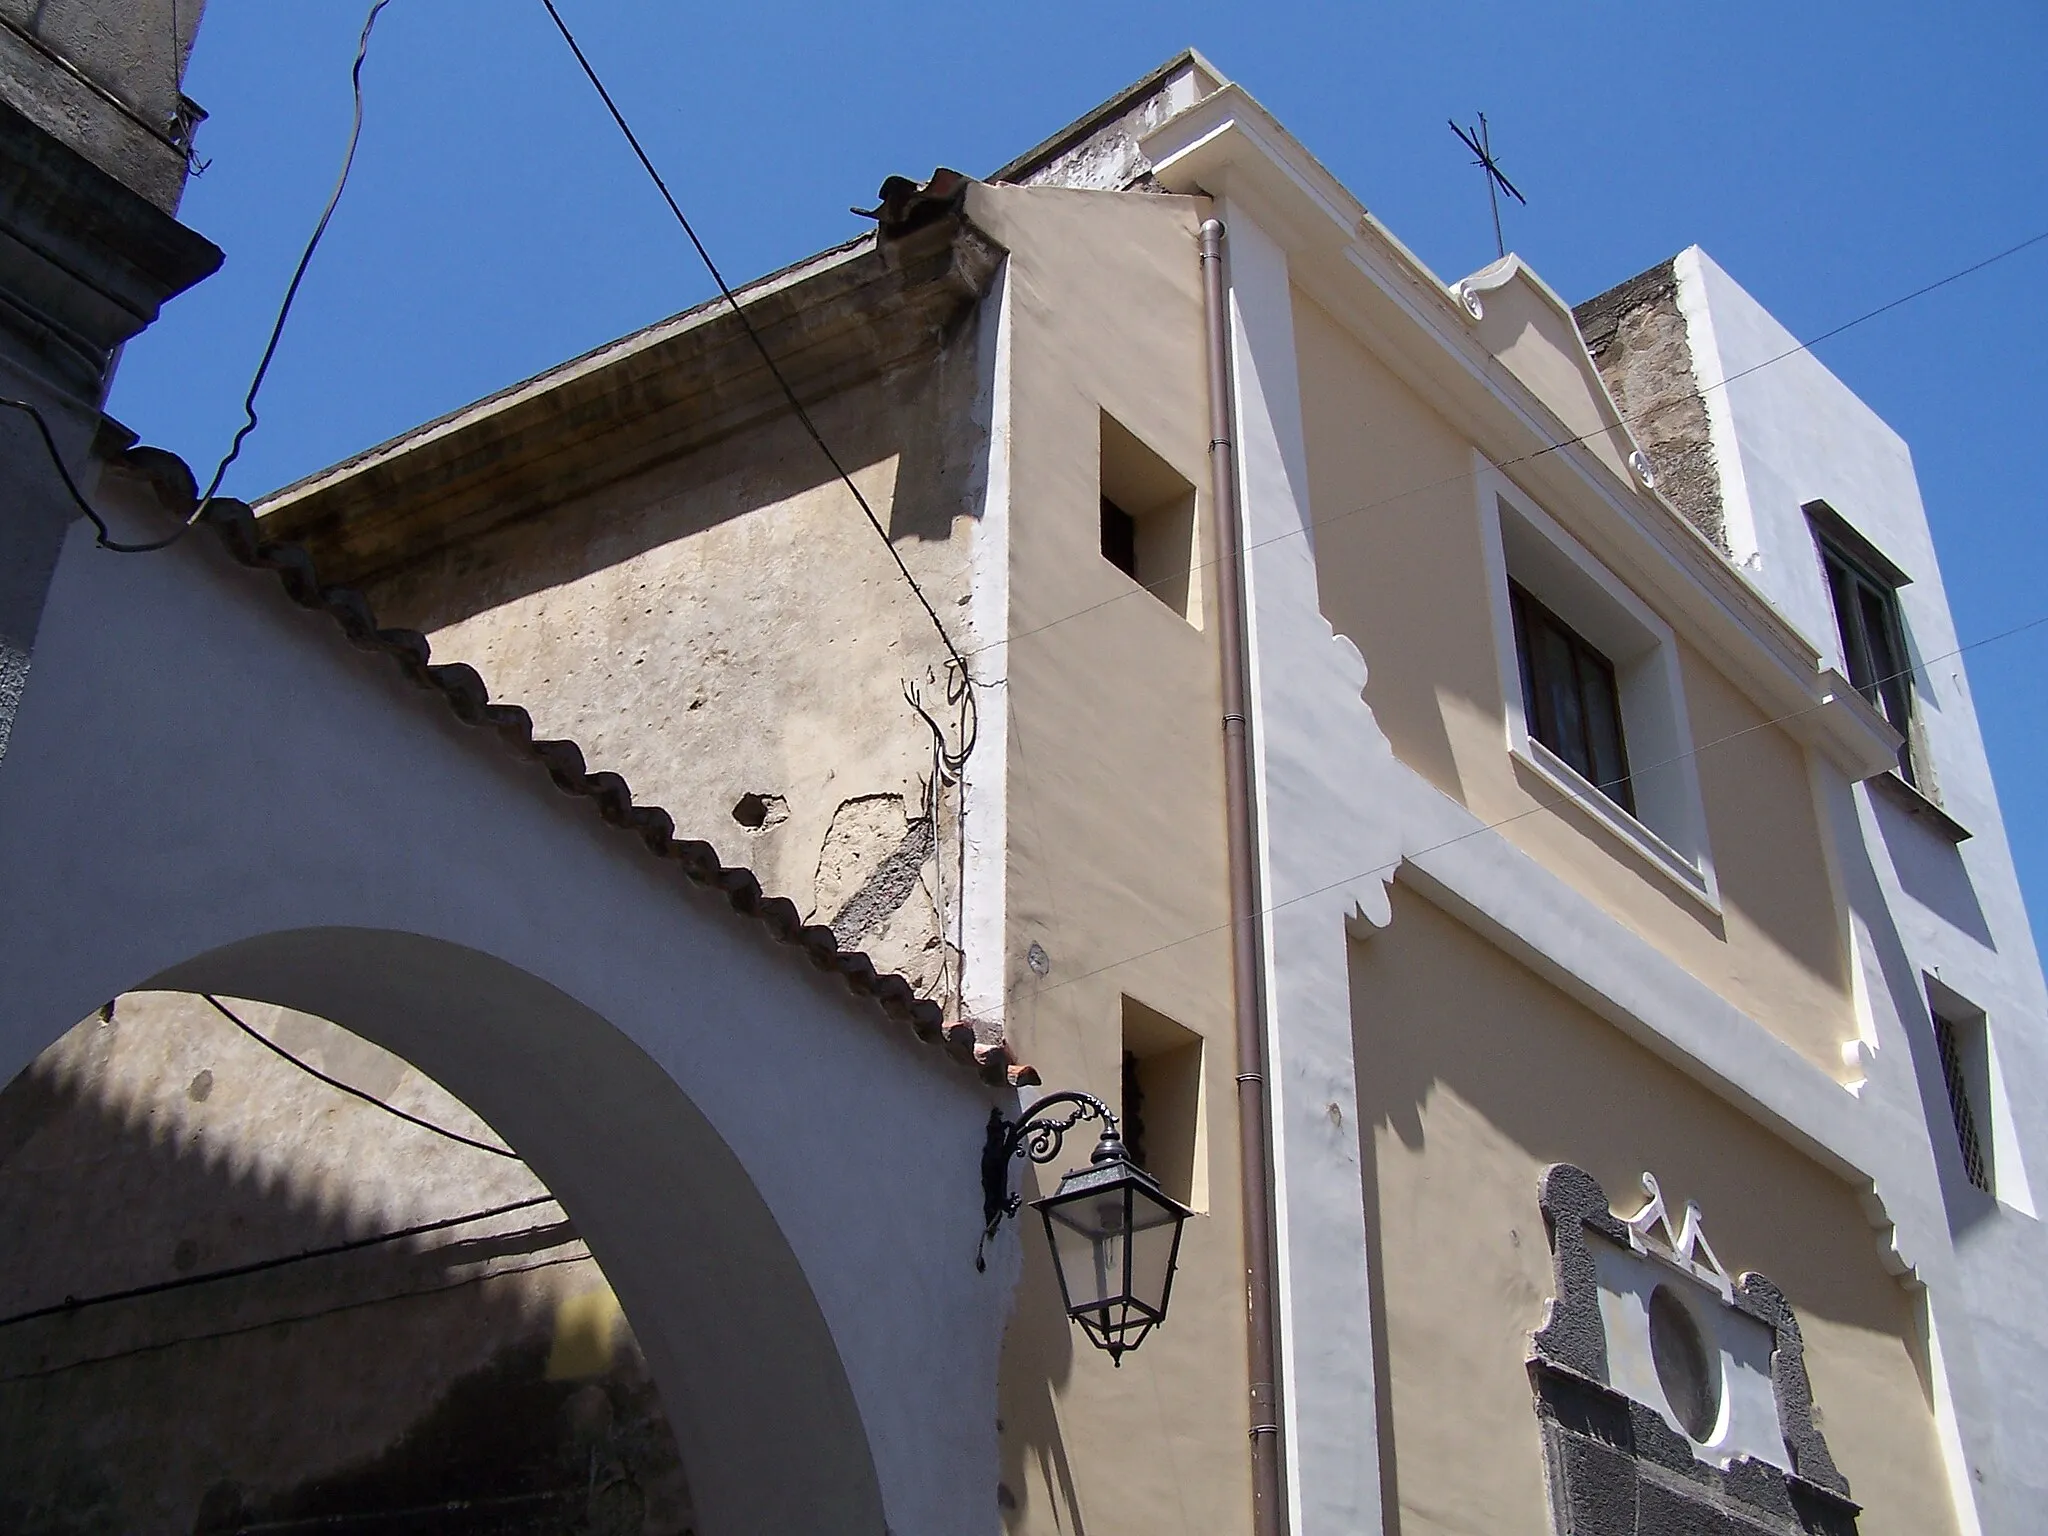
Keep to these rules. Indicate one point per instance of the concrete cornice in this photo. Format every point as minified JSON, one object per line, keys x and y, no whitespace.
{"x":1228,"y":146}
{"x":85,"y":262}
{"x":831,"y":322}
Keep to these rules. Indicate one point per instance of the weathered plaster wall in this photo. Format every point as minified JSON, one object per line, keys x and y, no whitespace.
{"x":1474,"y":1075}
{"x":1116,"y":864}
{"x":104,"y":79}
{"x":1404,"y":576}
{"x":486,"y":1364}
{"x":728,"y":626}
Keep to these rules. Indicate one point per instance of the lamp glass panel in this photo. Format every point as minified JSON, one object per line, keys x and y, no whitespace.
{"x":1089,"y":1237}
{"x":1155,"y":1233}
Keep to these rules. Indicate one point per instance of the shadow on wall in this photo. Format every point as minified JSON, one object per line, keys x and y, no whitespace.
{"x":1930,"y":868}
{"x":909,"y":440}
{"x":1473,"y":1074}
{"x":1038,"y":1357}
{"x":476,"y":1378}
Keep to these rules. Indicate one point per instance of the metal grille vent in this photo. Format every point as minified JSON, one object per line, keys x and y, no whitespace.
{"x":1948,"y":1042}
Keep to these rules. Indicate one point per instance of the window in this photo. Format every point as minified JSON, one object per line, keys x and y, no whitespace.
{"x":1863,"y":587}
{"x":1569,"y":697}
{"x":1592,"y":692}
{"x":1960,"y":1045}
{"x":1148,"y":520}
{"x":1162,"y":1103}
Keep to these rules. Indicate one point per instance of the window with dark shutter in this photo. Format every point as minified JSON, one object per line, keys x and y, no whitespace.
{"x":1863,"y":588}
{"x":1569,"y":698}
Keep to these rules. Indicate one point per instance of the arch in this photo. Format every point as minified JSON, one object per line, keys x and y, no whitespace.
{"x":733,"y":1334}
{"x":207,"y":791}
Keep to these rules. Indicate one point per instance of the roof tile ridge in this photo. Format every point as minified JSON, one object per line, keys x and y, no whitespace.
{"x":467,"y":696}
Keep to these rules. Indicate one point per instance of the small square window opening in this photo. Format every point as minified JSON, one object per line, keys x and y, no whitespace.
{"x":1147,"y":513}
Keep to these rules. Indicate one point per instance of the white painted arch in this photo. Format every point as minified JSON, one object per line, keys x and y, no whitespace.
{"x":207,"y":789}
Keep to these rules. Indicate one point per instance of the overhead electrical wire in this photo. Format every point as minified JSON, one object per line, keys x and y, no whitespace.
{"x":104,"y":534}
{"x":72,"y":1304}
{"x":1313,"y":523}
{"x":298,"y":1317}
{"x":957,"y":756}
{"x":348,"y":1088}
{"x":1541,"y":805}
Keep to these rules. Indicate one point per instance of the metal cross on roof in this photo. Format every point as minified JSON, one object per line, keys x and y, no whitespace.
{"x":1497,"y":182}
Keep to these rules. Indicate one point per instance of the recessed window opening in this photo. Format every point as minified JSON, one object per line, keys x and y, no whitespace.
{"x":1570,"y":698}
{"x":1592,"y":690}
{"x":1863,"y":588}
{"x":1147,"y":511}
{"x":1162,"y":1108}
{"x":1959,"y":1042}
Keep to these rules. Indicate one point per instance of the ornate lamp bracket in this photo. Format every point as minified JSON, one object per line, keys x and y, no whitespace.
{"x":1037,"y":1134}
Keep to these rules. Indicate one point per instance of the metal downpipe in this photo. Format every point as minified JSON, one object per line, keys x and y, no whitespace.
{"x":1247,"y":955}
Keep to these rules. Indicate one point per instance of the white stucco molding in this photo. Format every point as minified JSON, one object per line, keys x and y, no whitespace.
{"x":1470,"y":291}
{"x":984,"y":814}
{"x":1321,"y":863}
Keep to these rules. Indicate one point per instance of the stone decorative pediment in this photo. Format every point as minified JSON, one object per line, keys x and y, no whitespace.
{"x":1670,"y":1394}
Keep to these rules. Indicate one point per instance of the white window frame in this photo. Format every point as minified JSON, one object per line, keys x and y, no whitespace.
{"x":1669,"y":828}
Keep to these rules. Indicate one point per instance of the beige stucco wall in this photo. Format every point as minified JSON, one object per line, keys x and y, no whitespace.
{"x":1473,"y":1075}
{"x":728,"y":624}
{"x":1402,"y":571}
{"x":1117,"y":855}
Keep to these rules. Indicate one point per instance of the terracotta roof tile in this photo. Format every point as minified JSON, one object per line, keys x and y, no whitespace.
{"x":610,"y":796}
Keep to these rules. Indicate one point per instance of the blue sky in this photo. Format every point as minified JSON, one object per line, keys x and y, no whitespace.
{"x":1830,"y":156}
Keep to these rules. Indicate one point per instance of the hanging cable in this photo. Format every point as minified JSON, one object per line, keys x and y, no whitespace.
{"x":260,"y":1266}
{"x":957,"y":662}
{"x":336,"y":1083}
{"x":103,"y":535}
{"x":415,"y":1293}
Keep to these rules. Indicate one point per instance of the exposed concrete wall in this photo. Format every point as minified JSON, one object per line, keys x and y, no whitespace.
{"x":104,"y":79}
{"x":485,"y":1367}
{"x":1116,"y":856}
{"x":1460,"y":1116}
{"x":1639,"y":338}
{"x":1404,"y":576}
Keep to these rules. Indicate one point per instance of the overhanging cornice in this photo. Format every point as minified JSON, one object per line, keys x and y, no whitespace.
{"x":831,"y":322}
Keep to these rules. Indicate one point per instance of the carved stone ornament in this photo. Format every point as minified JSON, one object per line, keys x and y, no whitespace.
{"x":1615,"y":1464}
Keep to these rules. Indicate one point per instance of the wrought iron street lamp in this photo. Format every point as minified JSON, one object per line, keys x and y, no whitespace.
{"x":1115,"y":1234}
